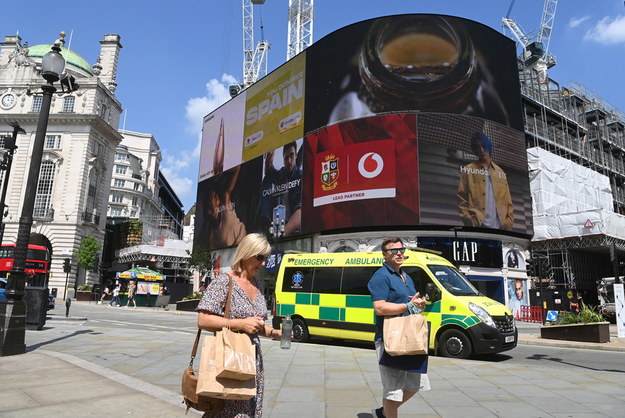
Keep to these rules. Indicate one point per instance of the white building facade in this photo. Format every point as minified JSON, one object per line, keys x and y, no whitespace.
{"x":74,"y":184}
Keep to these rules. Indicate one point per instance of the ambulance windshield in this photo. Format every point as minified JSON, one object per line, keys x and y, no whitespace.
{"x":454,"y":282}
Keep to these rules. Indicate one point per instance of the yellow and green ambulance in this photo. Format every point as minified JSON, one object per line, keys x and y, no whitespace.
{"x":326,"y":295}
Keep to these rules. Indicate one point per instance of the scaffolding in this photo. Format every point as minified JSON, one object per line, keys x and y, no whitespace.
{"x":574,"y":123}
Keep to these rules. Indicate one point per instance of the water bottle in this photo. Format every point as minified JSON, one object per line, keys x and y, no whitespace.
{"x":287,"y":328}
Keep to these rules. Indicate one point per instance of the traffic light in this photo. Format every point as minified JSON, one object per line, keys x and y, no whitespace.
{"x":67,"y":267}
{"x":532,"y":267}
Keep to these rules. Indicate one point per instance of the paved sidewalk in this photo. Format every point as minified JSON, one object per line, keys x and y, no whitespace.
{"x":77,"y":369}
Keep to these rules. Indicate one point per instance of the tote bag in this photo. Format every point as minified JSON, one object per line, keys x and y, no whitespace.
{"x":209,"y":384}
{"x":405,"y":335}
{"x":239,"y":355}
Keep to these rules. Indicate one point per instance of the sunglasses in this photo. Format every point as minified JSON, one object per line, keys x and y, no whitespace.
{"x":396,"y":251}
{"x":261,"y":257}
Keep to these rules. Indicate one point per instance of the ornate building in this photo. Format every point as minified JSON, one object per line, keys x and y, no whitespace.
{"x":74,"y":183}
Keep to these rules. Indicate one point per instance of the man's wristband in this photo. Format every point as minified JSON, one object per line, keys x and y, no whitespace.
{"x":413,"y":310}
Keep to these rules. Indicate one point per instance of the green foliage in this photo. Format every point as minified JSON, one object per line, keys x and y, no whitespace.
{"x":85,"y":288}
{"x":587,"y":315}
{"x":135,"y":226}
{"x":88,"y":252}
{"x":201,"y":261}
{"x":193,"y":296}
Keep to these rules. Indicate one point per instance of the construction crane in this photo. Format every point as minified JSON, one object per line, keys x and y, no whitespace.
{"x":535,"y":50}
{"x":254,"y":56}
{"x":300,"y":34}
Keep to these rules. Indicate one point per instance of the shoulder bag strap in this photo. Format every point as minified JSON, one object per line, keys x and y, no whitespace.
{"x":228,"y":298}
{"x":194,"y":351}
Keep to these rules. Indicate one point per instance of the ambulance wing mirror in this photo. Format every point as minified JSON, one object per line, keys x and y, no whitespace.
{"x":432,"y":293}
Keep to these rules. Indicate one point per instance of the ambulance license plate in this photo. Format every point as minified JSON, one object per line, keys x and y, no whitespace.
{"x":509,"y":339}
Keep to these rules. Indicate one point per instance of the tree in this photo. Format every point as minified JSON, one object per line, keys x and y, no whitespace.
{"x":201,"y":261}
{"x":88,"y":252}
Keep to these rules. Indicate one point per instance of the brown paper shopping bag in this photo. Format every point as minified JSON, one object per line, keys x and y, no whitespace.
{"x":219,"y":387}
{"x":405,"y":335}
{"x":239,"y":356}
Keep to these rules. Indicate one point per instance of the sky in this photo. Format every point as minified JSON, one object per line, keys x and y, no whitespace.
{"x":178,"y":60}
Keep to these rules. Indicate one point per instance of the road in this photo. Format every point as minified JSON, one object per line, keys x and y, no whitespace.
{"x":104,"y":319}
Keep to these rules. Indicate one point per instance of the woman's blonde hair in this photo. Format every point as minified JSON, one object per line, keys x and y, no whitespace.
{"x":250,"y":246}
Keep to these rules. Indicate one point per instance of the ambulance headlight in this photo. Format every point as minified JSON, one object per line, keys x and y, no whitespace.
{"x":482,"y":314}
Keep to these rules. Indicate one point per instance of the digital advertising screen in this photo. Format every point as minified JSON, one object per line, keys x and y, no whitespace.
{"x":362,"y":172}
{"x":402,"y":63}
{"x":400,"y":121}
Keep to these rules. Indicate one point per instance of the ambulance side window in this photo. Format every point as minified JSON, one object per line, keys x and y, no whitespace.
{"x":355,"y":280}
{"x":297,"y":279}
{"x":419,"y":277}
{"x":327,"y":280}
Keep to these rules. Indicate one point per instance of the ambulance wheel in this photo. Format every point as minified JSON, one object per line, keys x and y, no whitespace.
{"x":300,"y":331}
{"x":454,"y":343}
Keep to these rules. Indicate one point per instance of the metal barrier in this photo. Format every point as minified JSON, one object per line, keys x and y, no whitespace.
{"x":530,"y":314}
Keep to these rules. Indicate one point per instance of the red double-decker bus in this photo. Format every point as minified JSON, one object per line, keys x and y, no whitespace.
{"x":37,"y":261}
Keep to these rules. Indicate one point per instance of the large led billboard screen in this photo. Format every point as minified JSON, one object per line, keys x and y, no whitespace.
{"x":409,"y":120}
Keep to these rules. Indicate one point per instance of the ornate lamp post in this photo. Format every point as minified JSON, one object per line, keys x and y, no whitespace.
{"x":52,"y":69}
{"x":7,"y":161}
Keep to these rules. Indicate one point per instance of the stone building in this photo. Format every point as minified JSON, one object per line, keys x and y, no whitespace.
{"x":74,"y":183}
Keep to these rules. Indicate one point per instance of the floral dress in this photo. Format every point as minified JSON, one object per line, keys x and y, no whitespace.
{"x":214,"y":301}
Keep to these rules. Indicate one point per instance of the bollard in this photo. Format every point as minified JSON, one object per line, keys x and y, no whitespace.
{"x":68,"y":303}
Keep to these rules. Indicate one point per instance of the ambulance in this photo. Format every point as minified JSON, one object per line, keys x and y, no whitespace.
{"x":326,"y":295}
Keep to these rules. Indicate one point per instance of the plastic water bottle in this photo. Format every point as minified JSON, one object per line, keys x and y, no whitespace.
{"x":287,"y":329}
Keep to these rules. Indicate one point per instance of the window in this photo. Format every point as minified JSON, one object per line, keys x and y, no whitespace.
{"x":327,"y":280}
{"x":116,"y":211}
{"x":68,"y":104}
{"x":355,"y":280}
{"x":98,"y":149}
{"x":121,"y":157}
{"x":53,"y":142}
{"x":120,"y":169}
{"x":92,"y":191}
{"x":37,"y":103}
{"x":2,"y":140}
{"x":139,"y":187}
{"x":118,"y":198}
{"x":43,"y":196}
{"x":297,"y":279}
{"x":103,"y":111}
{"x":134,"y":200}
{"x":119,"y":183}
{"x":419,"y":277}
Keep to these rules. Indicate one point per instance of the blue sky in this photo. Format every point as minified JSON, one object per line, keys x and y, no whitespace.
{"x":178,"y":60}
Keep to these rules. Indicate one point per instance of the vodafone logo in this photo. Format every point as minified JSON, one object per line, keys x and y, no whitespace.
{"x":370,"y":165}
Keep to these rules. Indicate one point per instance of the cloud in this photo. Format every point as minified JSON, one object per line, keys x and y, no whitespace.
{"x":576,"y":21}
{"x":608,"y":31}
{"x":180,"y":169}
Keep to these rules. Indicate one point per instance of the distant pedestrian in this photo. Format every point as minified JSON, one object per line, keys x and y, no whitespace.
{"x":115,"y":300}
{"x":105,"y":293}
{"x":147,"y":296}
{"x":132,"y":291}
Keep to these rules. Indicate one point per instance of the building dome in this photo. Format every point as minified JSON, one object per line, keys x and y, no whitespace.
{"x":71,"y":57}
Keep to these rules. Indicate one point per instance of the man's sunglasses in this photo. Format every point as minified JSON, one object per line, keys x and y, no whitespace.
{"x":395,"y":251}
{"x":261,"y":257}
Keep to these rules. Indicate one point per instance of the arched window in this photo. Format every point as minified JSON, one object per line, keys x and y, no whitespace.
{"x":45,"y":186}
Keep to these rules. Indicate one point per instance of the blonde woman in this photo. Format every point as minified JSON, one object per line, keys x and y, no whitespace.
{"x":248,"y":312}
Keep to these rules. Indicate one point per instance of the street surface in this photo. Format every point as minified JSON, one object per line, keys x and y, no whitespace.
{"x":130,"y":361}
{"x":170,"y":325}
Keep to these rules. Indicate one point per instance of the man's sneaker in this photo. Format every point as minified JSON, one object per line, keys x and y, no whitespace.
{"x":377,"y":413}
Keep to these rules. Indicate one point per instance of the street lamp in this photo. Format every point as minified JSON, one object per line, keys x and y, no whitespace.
{"x":453,"y":246}
{"x":7,"y":161}
{"x":52,"y":70}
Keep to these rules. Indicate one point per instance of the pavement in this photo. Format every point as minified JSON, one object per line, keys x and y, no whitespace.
{"x":83,"y":367}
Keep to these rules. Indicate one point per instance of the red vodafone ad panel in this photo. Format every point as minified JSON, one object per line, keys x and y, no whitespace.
{"x":355,"y":172}
{"x":362,"y":172}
